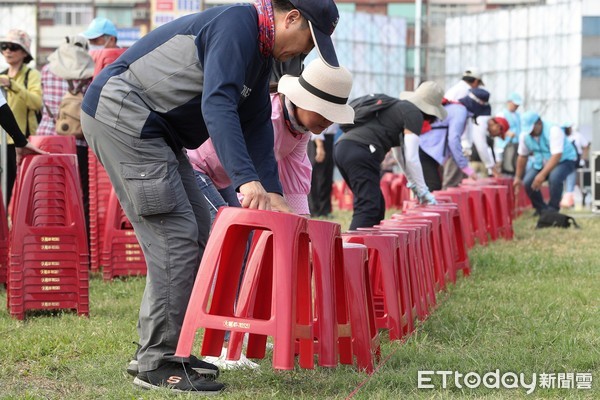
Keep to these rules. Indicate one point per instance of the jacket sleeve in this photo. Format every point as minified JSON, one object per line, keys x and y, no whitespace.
{"x":295,"y":172}
{"x":9,"y":124}
{"x":228,"y":52}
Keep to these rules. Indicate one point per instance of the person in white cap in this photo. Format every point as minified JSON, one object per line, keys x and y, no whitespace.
{"x":359,"y":152}
{"x":204,"y":74}
{"x":23,"y":93}
{"x":471,"y":79}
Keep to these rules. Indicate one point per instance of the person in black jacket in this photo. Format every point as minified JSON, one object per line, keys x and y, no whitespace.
{"x":359,"y":152}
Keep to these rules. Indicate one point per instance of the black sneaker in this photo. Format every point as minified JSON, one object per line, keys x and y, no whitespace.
{"x":211,"y":371}
{"x":178,"y":378}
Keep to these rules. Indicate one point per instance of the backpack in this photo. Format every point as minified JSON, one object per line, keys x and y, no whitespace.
{"x":366,"y":108}
{"x":551,"y":219}
{"x":68,"y":121}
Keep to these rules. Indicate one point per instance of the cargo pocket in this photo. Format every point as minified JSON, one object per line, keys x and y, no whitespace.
{"x":149,"y":188}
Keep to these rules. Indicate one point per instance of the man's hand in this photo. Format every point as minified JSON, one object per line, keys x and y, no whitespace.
{"x":537,"y":181}
{"x":278,"y":203}
{"x":517,"y":182}
{"x":255,"y":196}
{"x":27,"y":150}
{"x":320,"y":155}
{"x":473,"y":176}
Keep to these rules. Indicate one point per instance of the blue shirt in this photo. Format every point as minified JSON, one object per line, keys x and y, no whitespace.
{"x":200,"y":75}
{"x":443,"y":139}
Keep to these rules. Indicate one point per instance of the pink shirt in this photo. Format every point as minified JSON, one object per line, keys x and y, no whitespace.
{"x":295,"y":169}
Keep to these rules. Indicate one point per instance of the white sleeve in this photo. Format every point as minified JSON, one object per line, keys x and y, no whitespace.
{"x":479,"y":135}
{"x":522,"y":150}
{"x":557,"y":140}
{"x":412,"y":164}
{"x":2,"y":99}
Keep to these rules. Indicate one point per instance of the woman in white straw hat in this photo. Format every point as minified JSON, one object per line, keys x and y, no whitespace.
{"x":304,"y":104}
{"x":360,"y":151}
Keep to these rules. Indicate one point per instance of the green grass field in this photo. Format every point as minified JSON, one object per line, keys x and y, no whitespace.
{"x":531,"y":306}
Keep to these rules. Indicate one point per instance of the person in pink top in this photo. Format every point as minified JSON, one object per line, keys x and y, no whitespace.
{"x":304,"y":104}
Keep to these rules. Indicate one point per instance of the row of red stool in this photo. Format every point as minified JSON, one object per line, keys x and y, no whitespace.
{"x":389,"y":275}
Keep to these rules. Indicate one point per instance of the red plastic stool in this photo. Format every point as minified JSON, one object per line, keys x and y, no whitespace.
{"x":439,"y":261}
{"x":461,"y":198}
{"x":415,"y":268}
{"x":363,"y":339}
{"x":405,"y":277}
{"x":501,"y":210}
{"x":477,"y":212}
{"x":425,"y":254}
{"x":386,"y":287}
{"x":48,"y":266}
{"x":285,"y":304}
{"x":458,"y":238}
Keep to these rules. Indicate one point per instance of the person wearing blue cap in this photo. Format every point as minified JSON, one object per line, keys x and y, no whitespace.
{"x":553,"y":159}
{"x":101,"y":33}
{"x":510,"y":113}
{"x":202,"y":75}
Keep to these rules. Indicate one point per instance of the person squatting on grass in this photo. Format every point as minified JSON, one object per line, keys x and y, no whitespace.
{"x":553,"y":160}
{"x":359,"y":152}
{"x":202,"y":74}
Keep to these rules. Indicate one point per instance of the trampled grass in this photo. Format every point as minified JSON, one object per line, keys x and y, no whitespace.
{"x":531,"y":306}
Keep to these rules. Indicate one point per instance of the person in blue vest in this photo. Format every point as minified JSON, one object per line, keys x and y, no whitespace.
{"x":204,"y":74}
{"x":553,"y":159}
{"x":513,"y":116}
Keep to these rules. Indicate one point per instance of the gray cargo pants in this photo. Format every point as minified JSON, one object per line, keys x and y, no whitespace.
{"x":159,"y":194}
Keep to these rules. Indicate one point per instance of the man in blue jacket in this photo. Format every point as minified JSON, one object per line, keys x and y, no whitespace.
{"x":202,"y":75}
{"x":553,"y":159}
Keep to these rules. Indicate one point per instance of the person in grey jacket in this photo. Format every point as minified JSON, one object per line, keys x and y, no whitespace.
{"x":205,"y":74}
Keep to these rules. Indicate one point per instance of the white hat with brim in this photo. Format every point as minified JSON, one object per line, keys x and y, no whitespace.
{"x":428,"y":98}
{"x":321,"y":89}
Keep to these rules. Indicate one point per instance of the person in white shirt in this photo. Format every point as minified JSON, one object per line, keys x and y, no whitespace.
{"x":553,"y":159}
{"x":471,"y":79}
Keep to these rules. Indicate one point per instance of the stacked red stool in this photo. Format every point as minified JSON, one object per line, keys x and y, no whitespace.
{"x":49,"y":253}
{"x":121,"y":251}
{"x":99,"y":194}
{"x":51,"y":144}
